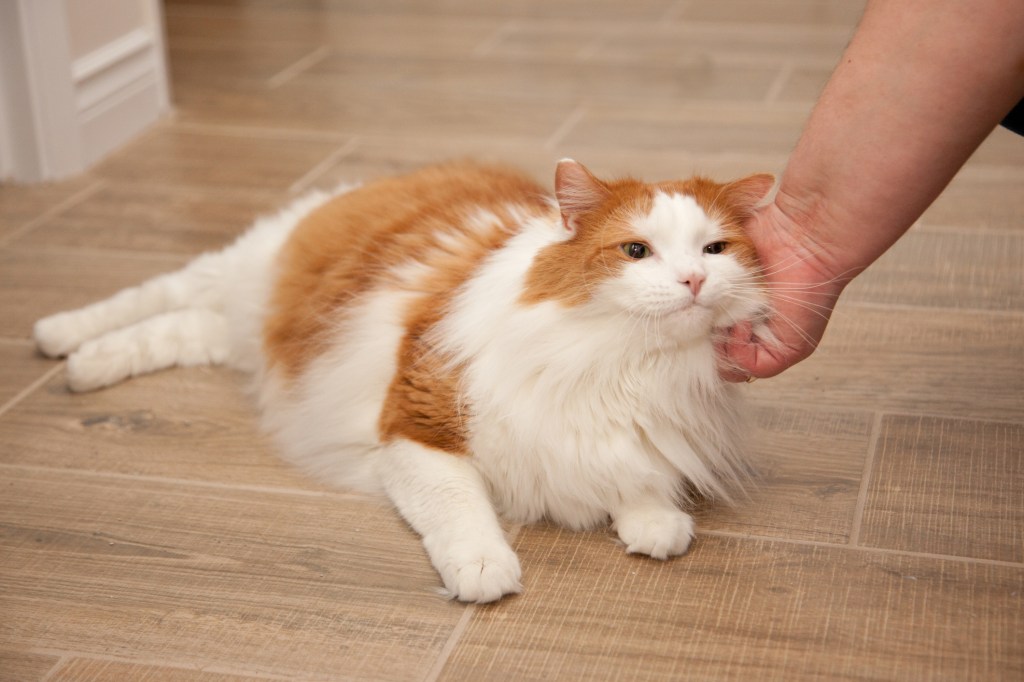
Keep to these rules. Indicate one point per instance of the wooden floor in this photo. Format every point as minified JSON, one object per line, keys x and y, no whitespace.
{"x":149,"y":532}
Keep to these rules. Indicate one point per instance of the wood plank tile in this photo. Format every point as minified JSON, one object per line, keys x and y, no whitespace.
{"x":955,"y":363}
{"x":317,"y":104}
{"x":729,"y":43}
{"x":964,"y":269}
{"x":154,"y":218}
{"x":817,"y":12}
{"x":972,"y":202}
{"x":744,"y":609}
{"x":188,"y":424}
{"x":36,"y":283}
{"x":20,"y":666}
{"x":380,"y":156}
{"x":805,"y":83}
{"x":352,"y":33}
{"x":809,"y":465}
{"x":1001,"y":148}
{"x":253,"y":582}
{"x":722,"y":129}
{"x":609,"y":161}
{"x":683,"y":82}
{"x":244,"y":66}
{"x":20,"y":204}
{"x":948,"y":486}
{"x":19,"y":367}
{"x":376,"y":156}
{"x":97,"y":670}
{"x":171,"y":155}
{"x":604,"y":10}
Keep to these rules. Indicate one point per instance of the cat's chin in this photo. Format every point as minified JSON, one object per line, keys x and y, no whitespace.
{"x":688,"y":321}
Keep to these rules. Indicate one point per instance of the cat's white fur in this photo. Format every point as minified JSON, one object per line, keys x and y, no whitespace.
{"x":579,"y":414}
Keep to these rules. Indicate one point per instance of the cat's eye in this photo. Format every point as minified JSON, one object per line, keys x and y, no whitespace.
{"x":715,"y":248}
{"x":636,"y":250}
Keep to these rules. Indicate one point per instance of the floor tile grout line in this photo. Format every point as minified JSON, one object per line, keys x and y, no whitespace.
{"x":63,"y":659}
{"x":51,"y":212}
{"x":775,"y":89}
{"x":860,"y":548}
{"x":462,"y":625}
{"x":340,"y":495}
{"x":30,"y":389}
{"x":435,"y":670}
{"x":296,"y":68}
{"x":570,"y":122}
{"x":487,"y":45}
{"x":865,"y":480}
{"x":310,"y":176}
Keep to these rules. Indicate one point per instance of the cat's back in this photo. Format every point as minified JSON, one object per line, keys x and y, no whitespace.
{"x":426,"y":231}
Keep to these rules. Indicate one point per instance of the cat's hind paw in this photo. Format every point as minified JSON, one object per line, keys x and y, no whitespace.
{"x":58,"y":335}
{"x":658,"y":533}
{"x":481,"y":575}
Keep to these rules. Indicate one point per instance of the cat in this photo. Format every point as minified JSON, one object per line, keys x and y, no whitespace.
{"x":474,"y":348}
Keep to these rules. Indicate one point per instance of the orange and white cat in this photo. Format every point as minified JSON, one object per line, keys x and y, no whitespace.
{"x":474,"y":348}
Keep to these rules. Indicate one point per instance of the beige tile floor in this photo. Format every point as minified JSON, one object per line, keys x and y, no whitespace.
{"x":149,"y":532}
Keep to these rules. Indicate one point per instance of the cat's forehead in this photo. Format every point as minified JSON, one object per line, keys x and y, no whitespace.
{"x":674,"y":215}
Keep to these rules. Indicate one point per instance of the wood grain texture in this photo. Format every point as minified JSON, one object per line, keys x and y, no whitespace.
{"x":975,"y":270}
{"x":17,"y":666}
{"x":321,"y":587}
{"x":696,"y":130}
{"x":150,"y":532}
{"x":205,"y":159}
{"x":916,"y":360}
{"x":98,"y":670}
{"x":743,"y":610}
{"x":808,"y":467}
{"x":20,"y":204}
{"x":154,"y":218}
{"x":194,"y":424}
{"x":35,"y":283}
{"x":948,"y":486}
{"x":20,"y":365}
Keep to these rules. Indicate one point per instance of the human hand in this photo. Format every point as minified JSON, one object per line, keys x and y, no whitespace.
{"x":801,"y":293}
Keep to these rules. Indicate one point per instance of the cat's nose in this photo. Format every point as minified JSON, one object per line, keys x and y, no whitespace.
{"x":693,"y":281}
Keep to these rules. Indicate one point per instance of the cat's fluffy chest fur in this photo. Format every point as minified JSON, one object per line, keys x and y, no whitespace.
{"x":465,"y":344}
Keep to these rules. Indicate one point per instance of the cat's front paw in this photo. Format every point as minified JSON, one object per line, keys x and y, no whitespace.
{"x":482,"y":573}
{"x":657,"y":532}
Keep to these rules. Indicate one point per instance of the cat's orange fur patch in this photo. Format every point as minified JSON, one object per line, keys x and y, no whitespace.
{"x":448,"y":218}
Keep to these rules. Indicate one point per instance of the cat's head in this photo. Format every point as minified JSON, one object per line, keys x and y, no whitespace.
{"x":673,"y":254}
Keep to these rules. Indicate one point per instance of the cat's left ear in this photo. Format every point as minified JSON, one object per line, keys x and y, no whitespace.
{"x":748,"y":193}
{"x":578,"y":191}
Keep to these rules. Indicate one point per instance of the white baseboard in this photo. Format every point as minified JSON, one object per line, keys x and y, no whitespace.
{"x":117,"y":92}
{"x":58,"y":116}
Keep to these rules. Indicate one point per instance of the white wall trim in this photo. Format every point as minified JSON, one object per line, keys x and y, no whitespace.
{"x":58,"y":116}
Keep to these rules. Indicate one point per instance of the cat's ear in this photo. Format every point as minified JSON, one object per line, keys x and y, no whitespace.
{"x":578,"y":191}
{"x":748,"y":193}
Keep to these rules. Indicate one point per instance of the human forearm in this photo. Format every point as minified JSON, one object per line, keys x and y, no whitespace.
{"x":920,"y":86}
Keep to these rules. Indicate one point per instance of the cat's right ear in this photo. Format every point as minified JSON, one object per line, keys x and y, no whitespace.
{"x":578,"y":192}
